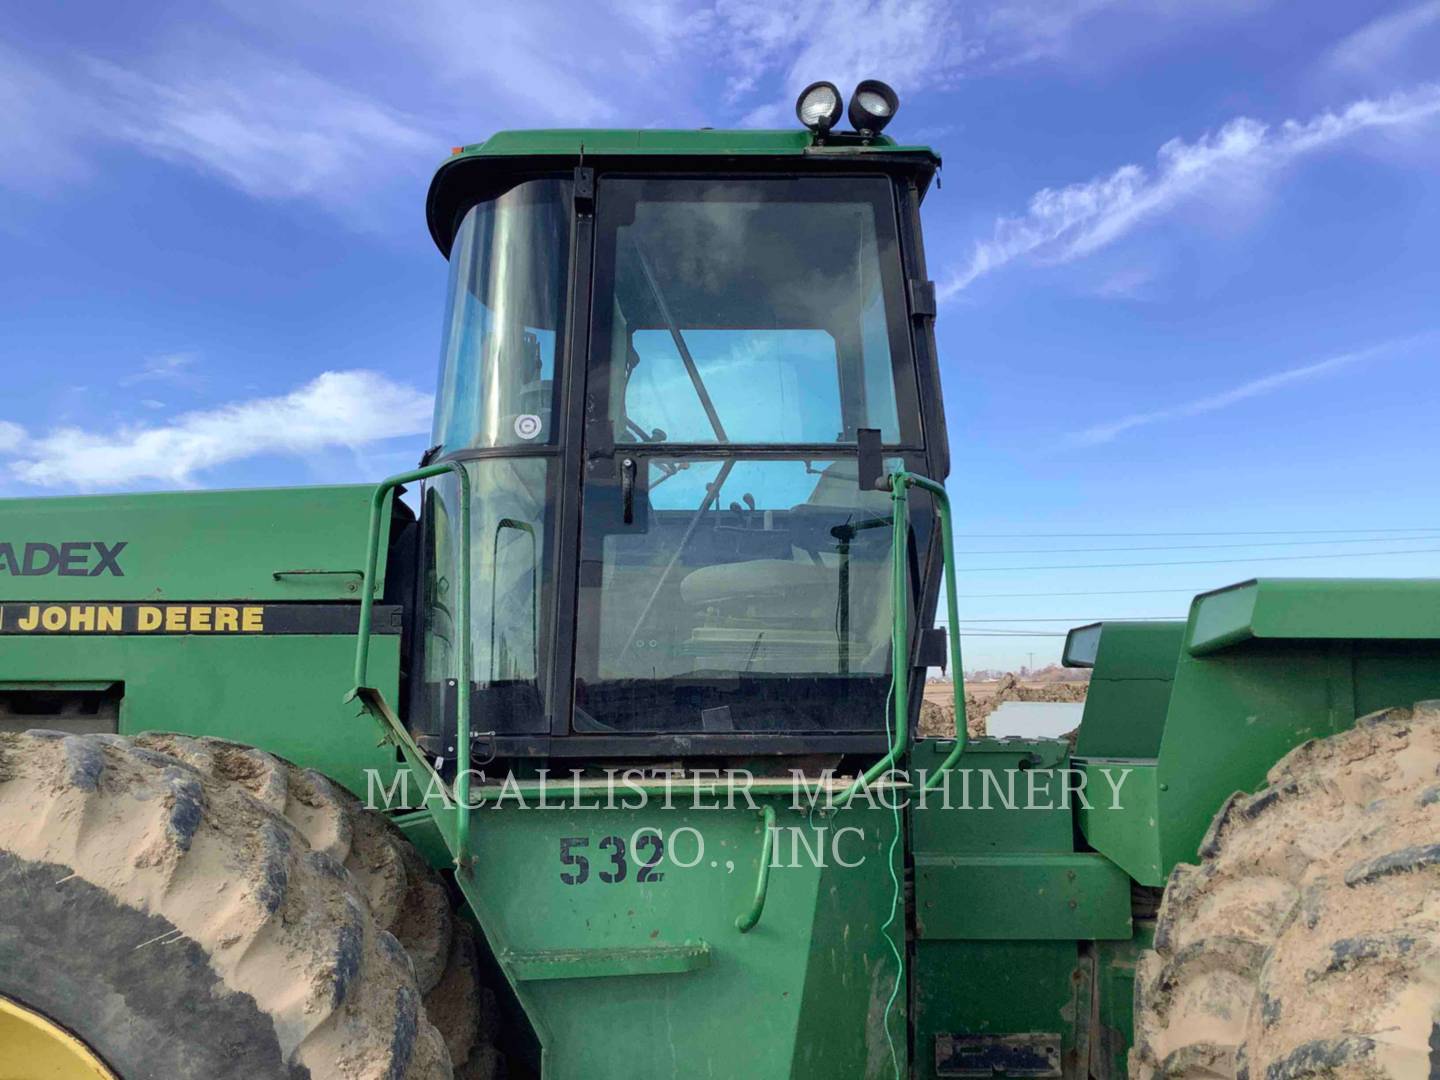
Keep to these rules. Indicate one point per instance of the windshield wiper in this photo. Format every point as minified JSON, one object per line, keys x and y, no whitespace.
{"x":684,"y":350}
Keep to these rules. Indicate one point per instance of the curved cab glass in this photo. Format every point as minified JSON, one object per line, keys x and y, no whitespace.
{"x":499,"y":384}
{"x":509,"y":270}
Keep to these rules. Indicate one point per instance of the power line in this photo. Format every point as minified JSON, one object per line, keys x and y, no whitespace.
{"x":1201,"y":547}
{"x":1226,"y":532}
{"x":1100,"y":592}
{"x":987,"y":634}
{"x":1010,"y":631}
{"x":1078,"y":620}
{"x":1201,"y":562}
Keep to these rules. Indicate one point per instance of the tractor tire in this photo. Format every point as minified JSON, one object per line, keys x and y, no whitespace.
{"x":182,"y":929}
{"x":1307,"y":941}
{"x":407,"y":897}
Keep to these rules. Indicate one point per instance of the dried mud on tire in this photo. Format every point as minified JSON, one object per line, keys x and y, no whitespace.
{"x":184,"y":929}
{"x":406,"y":896}
{"x":1307,"y":941}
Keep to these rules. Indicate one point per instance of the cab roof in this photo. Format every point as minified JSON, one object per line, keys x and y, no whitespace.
{"x":483,"y":169}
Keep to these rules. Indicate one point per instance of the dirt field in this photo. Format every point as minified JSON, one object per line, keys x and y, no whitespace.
{"x":937,"y":713}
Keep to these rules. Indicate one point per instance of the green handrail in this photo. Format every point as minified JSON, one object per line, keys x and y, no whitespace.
{"x":745,"y":923}
{"x":378,"y":502}
{"x":952,"y":612}
{"x":900,"y":483}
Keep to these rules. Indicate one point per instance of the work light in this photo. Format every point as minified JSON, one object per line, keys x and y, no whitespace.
{"x":818,"y":107}
{"x":872,"y":106}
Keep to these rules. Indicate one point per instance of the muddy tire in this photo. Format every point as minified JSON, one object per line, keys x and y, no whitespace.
{"x":184,"y":930}
{"x":405,"y":894}
{"x":1307,"y":941}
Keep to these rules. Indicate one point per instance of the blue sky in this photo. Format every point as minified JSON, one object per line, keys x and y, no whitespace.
{"x":1188,"y":254}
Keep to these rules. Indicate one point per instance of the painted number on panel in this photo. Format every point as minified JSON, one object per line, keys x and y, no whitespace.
{"x":655,"y":844}
{"x":648,"y":846}
{"x":568,"y":857}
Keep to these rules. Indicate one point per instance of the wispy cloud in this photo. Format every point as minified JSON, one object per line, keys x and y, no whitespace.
{"x":348,"y":409}
{"x":1379,"y":40}
{"x":1268,"y":384}
{"x":170,"y":367}
{"x":271,"y":129}
{"x":41,"y":124}
{"x":774,"y":50}
{"x":1068,"y":223}
{"x":1127,"y":283}
{"x":12,"y":436}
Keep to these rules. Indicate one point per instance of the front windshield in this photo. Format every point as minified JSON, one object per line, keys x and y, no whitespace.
{"x":734,"y":577}
{"x":751,"y":312}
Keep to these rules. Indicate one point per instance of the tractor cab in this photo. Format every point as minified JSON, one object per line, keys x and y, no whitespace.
{"x":673,"y":364}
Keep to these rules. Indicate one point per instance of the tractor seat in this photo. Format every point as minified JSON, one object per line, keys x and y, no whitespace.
{"x":799,"y":583}
{"x":757,"y":577}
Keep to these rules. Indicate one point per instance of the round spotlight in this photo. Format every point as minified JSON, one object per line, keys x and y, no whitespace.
{"x":872,"y":106}
{"x":818,"y":107}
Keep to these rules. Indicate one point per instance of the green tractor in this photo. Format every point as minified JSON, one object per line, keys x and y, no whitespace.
{"x":596,"y":756}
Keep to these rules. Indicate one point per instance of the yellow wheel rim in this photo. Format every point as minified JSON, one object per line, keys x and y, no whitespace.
{"x":33,"y":1047}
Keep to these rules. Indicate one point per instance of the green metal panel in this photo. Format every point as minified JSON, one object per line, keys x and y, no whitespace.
{"x":281,"y":693}
{"x":802,"y":994}
{"x":1035,"y":896}
{"x":1132,"y":669}
{"x":994,"y":848}
{"x":987,"y":825}
{"x":1336,"y":609}
{"x":998,"y":912}
{"x":422,"y":830}
{"x":1112,"y":1034}
{"x":998,"y":988}
{"x":1124,"y":829}
{"x":572,"y":142}
{"x":1271,"y":663}
{"x":191,"y":545}
{"x":541,"y":965}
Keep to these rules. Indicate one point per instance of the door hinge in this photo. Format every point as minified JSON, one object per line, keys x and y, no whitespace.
{"x":584,"y":189}
{"x":922,"y":299}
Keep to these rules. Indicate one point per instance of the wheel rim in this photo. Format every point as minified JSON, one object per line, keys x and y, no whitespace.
{"x":39,"y":1049}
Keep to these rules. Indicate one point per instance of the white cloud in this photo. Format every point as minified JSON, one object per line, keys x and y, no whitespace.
{"x":171,"y":367}
{"x":336,"y":409}
{"x":1018,"y":31}
{"x":12,"y":436}
{"x":472,"y":68}
{"x":41,"y":127}
{"x":911,"y":44}
{"x":1379,"y":40}
{"x":367,"y":94}
{"x":1107,"y":432}
{"x":271,"y":129}
{"x":772,"y":50}
{"x":1068,"y":223}
{"x":1127,"y":283}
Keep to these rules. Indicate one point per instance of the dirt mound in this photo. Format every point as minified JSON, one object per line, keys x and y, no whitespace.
{"x":937,"y":712}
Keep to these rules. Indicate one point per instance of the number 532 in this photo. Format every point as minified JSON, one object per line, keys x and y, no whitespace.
{"x":612,"y":855}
